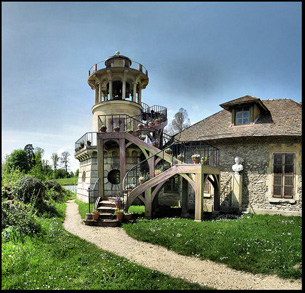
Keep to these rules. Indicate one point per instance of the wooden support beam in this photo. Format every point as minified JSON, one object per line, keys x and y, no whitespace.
{"x":100,"y":166}
{"x":184,"y":198}
{"x":148,"y":204}
{"x":122,"y":160}
{"x":199,"y":197}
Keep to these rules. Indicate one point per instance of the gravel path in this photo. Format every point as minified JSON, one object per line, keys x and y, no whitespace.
{"x":158,"y":258}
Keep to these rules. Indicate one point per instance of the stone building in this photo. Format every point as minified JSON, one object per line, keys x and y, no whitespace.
{"x":127,"y":155}
{"x":267,"y":135}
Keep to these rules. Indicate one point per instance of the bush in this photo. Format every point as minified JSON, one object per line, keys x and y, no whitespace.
{"x":17,"y":219}
{"x":29,"y":190}
{"x":55,"y":191}
{"x":53,"y":184}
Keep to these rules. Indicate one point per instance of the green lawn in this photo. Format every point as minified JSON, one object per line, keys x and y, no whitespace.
{"x":67,"y":181}
{"x":58,"y":260}
{"x":254,"y":243}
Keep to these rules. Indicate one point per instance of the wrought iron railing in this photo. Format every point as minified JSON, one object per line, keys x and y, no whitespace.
{"x":93,"y":195}
{"x":87,"y":140}
{"x":134,"y":65}
{"x":132,"y":124}
{"x":154,"y":112}
{"x":177,"y":153}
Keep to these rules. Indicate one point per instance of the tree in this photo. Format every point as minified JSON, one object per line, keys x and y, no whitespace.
{"x":30,"y":153}
{"x":55,"y":159}
{"x":65,"y":159}
{"x":179,"y":123}
{"x":18,"y":159}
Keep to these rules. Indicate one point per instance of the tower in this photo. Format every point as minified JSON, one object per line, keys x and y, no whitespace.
{"x":118,"y":88}
{"x":127,"y":145}
{"x":118,"y":107}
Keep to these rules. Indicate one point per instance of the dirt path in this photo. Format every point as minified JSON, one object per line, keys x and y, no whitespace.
{"x":155,"y":257}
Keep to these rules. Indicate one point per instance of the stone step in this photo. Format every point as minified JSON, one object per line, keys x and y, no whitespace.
{"x":107,"y":203}
{"x":107,"y":216}
{"x":103,"y":209}
{"x":103,"y":223}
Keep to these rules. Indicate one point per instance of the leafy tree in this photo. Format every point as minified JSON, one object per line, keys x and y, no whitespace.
{"x":61,"y":173}
{"x":179,"y":123}
{"x":55,"y":160}
{"x":65,"y":159}
{"x":30,"y":153}
{"x":18,"y":159}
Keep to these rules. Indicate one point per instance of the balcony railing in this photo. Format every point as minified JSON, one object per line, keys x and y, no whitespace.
{"x":89,"y":139}
{"x":135,"y":65}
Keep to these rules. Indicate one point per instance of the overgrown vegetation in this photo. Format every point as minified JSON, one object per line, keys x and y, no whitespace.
{"x":38,"y":253}
{"x":253,"y":243}
{"x":24,"y":200}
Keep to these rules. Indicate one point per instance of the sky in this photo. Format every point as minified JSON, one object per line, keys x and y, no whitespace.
{"x":198,"y":55}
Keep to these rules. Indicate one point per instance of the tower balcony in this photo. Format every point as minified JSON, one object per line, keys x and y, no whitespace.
{"x":110,"y":63}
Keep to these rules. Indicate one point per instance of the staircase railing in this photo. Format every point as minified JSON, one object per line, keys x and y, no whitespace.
{"x":133,"y":124}
{"x":93,"y":195}
{"x":177,"y":153}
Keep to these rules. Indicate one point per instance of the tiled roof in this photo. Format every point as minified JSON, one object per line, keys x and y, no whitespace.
{"x":244,"y":100}
{"x":284,"y":119}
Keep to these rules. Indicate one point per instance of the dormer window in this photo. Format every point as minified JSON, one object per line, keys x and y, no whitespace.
{"x":245,"y":110}
{"x":242,"y":116}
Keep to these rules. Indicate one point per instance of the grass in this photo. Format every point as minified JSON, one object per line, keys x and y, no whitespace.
{"x":58,"y":260}
{"x":254,"y":243}
{"x":67,"y":181}
{"x":137,"y":209}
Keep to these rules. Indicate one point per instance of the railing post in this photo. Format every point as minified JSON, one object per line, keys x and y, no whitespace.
{"x":89,"y":198}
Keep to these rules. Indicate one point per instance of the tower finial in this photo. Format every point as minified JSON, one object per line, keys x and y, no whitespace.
{"x":117,"y":52}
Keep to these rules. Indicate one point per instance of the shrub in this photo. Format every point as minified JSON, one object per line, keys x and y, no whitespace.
{"x":29,"y":190}
{"x":17,"y":219}
{"x":53,"y":184}
{"x":55,"y":191}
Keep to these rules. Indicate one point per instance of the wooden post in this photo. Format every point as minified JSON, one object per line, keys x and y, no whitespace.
{"x":151,"y":163}
{"x":148,"y":203}
{"x":100,"y":166}
{"x":122,"y":160}
{"x":184,"y":198}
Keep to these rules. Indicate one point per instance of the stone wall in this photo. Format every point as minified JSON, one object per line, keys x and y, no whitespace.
{"x":87,"y":177}
{"x":257,"y":174}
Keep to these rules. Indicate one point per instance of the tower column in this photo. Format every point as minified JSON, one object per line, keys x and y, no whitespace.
{"x":110,"y":90}
{"x":124,"y":90}
{"x":140,"y":96}
{"x":100,"y":93}
{"x":96,"y":95}
{"x":134,"y":92}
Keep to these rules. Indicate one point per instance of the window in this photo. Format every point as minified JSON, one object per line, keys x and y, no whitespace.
{"x":242,"y":116}
{"x":283,"y":175}
{"x":114,"y":176}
